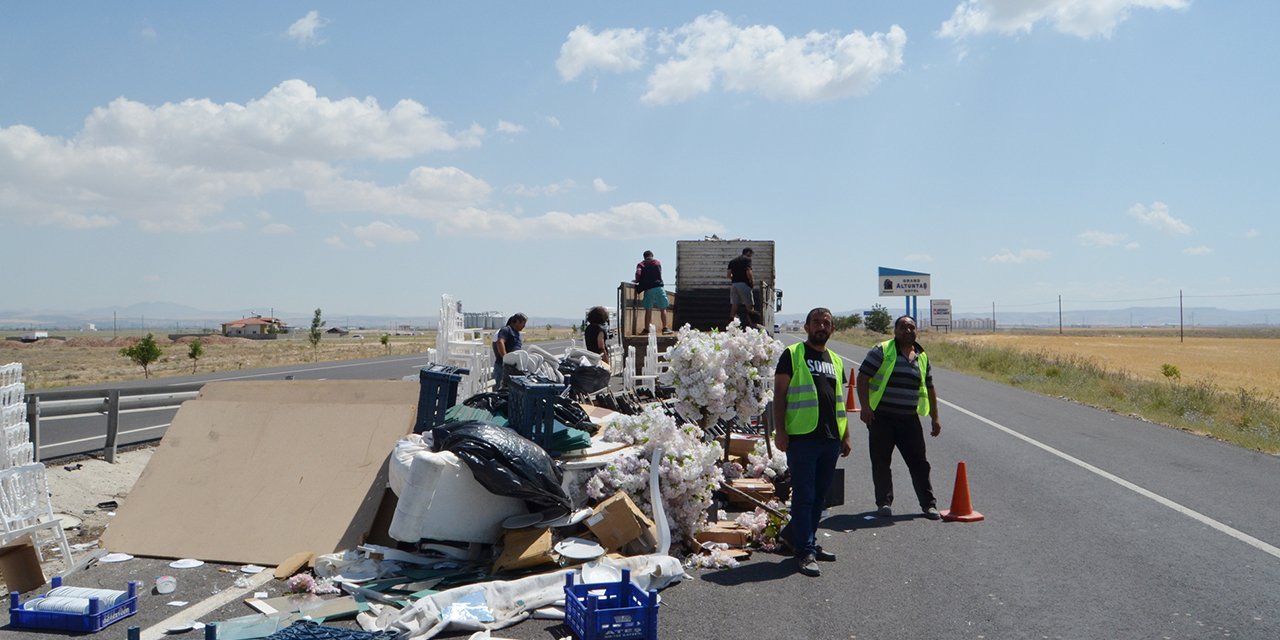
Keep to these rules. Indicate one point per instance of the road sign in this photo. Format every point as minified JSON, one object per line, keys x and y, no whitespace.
{"x":940,"y":313}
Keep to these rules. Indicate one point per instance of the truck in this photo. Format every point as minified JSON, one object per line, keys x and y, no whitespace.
{"x":700,"y":295}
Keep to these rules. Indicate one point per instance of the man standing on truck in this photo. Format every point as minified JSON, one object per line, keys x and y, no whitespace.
{"x":649,"y":285}
{"x":741,"y":284}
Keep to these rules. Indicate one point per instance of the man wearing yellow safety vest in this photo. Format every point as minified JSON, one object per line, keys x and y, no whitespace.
{"x":808,"y":408}
{"x":895,"y":387}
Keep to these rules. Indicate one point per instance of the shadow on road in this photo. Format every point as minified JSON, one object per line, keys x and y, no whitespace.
{"x":783,"y":567}
{"x":846,"y":522}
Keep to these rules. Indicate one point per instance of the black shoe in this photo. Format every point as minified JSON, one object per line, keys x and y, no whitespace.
{"x":808,"y":565}
{"x":932,"y":513}
{"x":884,"y":511}
{"x":824,"y":556}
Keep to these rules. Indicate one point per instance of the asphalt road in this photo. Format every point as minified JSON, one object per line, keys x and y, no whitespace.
{"x":1097,"y":526}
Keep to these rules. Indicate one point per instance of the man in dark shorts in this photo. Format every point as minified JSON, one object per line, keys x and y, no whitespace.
{"x":741,"y":283}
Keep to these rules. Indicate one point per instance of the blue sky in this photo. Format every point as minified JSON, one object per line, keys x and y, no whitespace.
{"x":521,"y":156}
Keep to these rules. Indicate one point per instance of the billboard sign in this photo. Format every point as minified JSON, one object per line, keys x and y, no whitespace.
{"x":896,"y":282}
{"x":940,"y":313}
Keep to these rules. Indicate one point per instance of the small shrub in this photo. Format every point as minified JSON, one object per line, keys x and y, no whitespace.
{"x":1171,"y":371}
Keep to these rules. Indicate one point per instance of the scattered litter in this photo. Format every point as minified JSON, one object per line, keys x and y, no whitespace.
{"x":252,"y":569}
{"x":74,"y":467}
{"x":261,"y":595}
{"x":186,"y":563}
{"x":548,"y":613}
{"x":84,"y":546}
{"x":115,"y":557}
{"x":468,"y":609}
{"x":579,"y":549}
{"x":183,"y":627}
{"x":177,"y":603}
{"x":109,"y":504}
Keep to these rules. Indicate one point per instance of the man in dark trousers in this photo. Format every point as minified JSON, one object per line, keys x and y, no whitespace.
{"x":895,"y":387}
{"x":808,"y":408}
{"x":741,"y":282}
{"x":506,"y":340}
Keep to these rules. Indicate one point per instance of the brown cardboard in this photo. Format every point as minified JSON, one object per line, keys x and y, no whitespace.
{"x":251,"y":472}
{"x":20,"y":566}
{"x":618,"y":521}
{"x":523,"y":548}
{"x":741,"y":444}
{"x":757,"y":488}
{"x":725,"y":531}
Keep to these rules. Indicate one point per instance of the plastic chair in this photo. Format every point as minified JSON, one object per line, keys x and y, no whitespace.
{"x":24,"y":498}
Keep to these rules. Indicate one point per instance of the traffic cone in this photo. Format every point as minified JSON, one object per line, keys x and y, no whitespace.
{"x":851,"y":403}
{"x":961,"y":509}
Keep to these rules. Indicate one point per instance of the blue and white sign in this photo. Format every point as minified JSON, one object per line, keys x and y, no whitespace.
{"x":896,"y":282}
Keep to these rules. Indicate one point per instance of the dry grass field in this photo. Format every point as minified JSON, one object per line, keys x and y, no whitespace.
{"x":1229,"y":360}
{"x":84,"y":359}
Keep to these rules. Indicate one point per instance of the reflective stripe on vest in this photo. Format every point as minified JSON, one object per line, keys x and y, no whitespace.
{"x":802,"y":394}
{"x":878,"y":383}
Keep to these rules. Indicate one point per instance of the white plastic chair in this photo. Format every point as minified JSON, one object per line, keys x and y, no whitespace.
{"x":24,"y":499}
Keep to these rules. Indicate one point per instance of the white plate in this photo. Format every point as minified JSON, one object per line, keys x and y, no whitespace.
{"x":521,"y":521}
{"x":252,"y":568}
{"x":115,"y":557}
{"x":579,"y":549}
{"x":183,"y":627}
{"x":596,"y":573}
{"x":186,"y":563}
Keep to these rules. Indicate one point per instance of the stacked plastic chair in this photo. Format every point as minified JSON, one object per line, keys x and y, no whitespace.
{"x":463,"y":348}
{"x":14,"y":433}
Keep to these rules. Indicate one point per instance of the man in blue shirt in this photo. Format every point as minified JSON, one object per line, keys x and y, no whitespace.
{"x":506,"y":340}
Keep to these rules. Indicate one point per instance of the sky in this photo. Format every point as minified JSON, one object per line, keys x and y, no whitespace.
{"x":518,"y":156}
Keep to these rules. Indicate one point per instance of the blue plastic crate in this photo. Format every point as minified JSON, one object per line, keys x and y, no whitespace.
{"x":437,"y":392}
{"x":530,"y":411}
{"x":610,"y":610}
{"x":96,"y":620}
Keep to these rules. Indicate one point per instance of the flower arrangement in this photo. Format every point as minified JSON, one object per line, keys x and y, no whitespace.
{"x":763,"y":527}
{"x":721,"y":374}
{"x":717,"y":557}
{"x":687,"y":478}
{"x":762,"y":465}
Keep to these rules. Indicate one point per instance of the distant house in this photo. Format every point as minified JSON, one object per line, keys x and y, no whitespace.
{"x":338,"y":331}
{"x":255,"y":327}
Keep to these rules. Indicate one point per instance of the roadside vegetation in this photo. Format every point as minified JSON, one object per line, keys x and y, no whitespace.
{"x":1246,"y":417}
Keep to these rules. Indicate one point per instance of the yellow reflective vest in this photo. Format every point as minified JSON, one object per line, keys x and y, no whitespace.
{"x":878,"y":383}
{"x":802,"y":394}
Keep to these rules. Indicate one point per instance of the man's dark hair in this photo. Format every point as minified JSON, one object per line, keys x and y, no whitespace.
{"x":597,"y":315}
{"x":648,"y":254}
{"x":900,"y":318}
{"x":748,"y":252}
{"x":816,"y":310}
{"x":519,"y":317}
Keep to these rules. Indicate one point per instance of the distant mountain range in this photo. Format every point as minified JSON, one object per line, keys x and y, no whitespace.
{"x":173,"y":317}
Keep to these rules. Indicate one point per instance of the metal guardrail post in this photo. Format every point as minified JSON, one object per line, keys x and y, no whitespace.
{"x":33,"y":425}
{"x":113,"y":425}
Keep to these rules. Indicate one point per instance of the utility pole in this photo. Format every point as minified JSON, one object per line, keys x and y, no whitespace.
{"x":1180,"y":325}
{"x":1059,"y":314}
{"x":993,"y":316}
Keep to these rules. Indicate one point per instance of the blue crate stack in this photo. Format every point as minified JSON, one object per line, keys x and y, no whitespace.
{"x":438,"y":391}
{"x":610,"y":610}
{"x":530,"y":411}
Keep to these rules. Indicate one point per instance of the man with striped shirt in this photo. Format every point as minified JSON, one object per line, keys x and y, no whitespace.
{"x":895,"y":387}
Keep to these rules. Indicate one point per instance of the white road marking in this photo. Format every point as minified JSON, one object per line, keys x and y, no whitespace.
{"x":103,"y":437}
{"x":1186,"y":511}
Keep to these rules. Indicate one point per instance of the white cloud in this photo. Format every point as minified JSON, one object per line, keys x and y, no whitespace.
{"x":509,"y":127}
{"x":1100,"y":239}
{"x":601,"y":186}
{"x":1009,"y":257}
{"x":553,"y":121}
{"x":174,"y":166}
{"x":553,"y":189}
{"x":1132,"y":246}
{"x":1252,"y":233}
{"x":712,"y":51}
{"x":1157,"y":215}
{"x":918,"y":257}
{"x":149,"y":32}
{"x":632,"y":220}
{"x":612,"y":50}
{"x":1081,"y":18}
{"x":335,"y":241}
{"x":761,"y":59}
{"x":306,"y":30}
{"x":378,"y":232}
{"x":277,"y":229}
{"x":1198,"y":251}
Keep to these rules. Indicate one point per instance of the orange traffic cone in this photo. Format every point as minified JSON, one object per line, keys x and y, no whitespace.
{"x":961,"y":509}
{"x":851,"y":403}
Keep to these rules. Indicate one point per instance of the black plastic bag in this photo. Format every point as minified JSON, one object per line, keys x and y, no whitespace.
{"x":505,"y":463}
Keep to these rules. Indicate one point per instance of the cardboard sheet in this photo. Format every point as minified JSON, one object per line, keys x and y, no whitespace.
{"x":253,"y":472}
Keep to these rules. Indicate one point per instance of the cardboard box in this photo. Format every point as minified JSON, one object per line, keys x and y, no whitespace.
{"x":523,"y":548}
{"x":725,"y":531}
{"x":20,"y":566}
{"x":757,"y":488}
{"x":618,"y":521}
{"x":742,"y":444}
